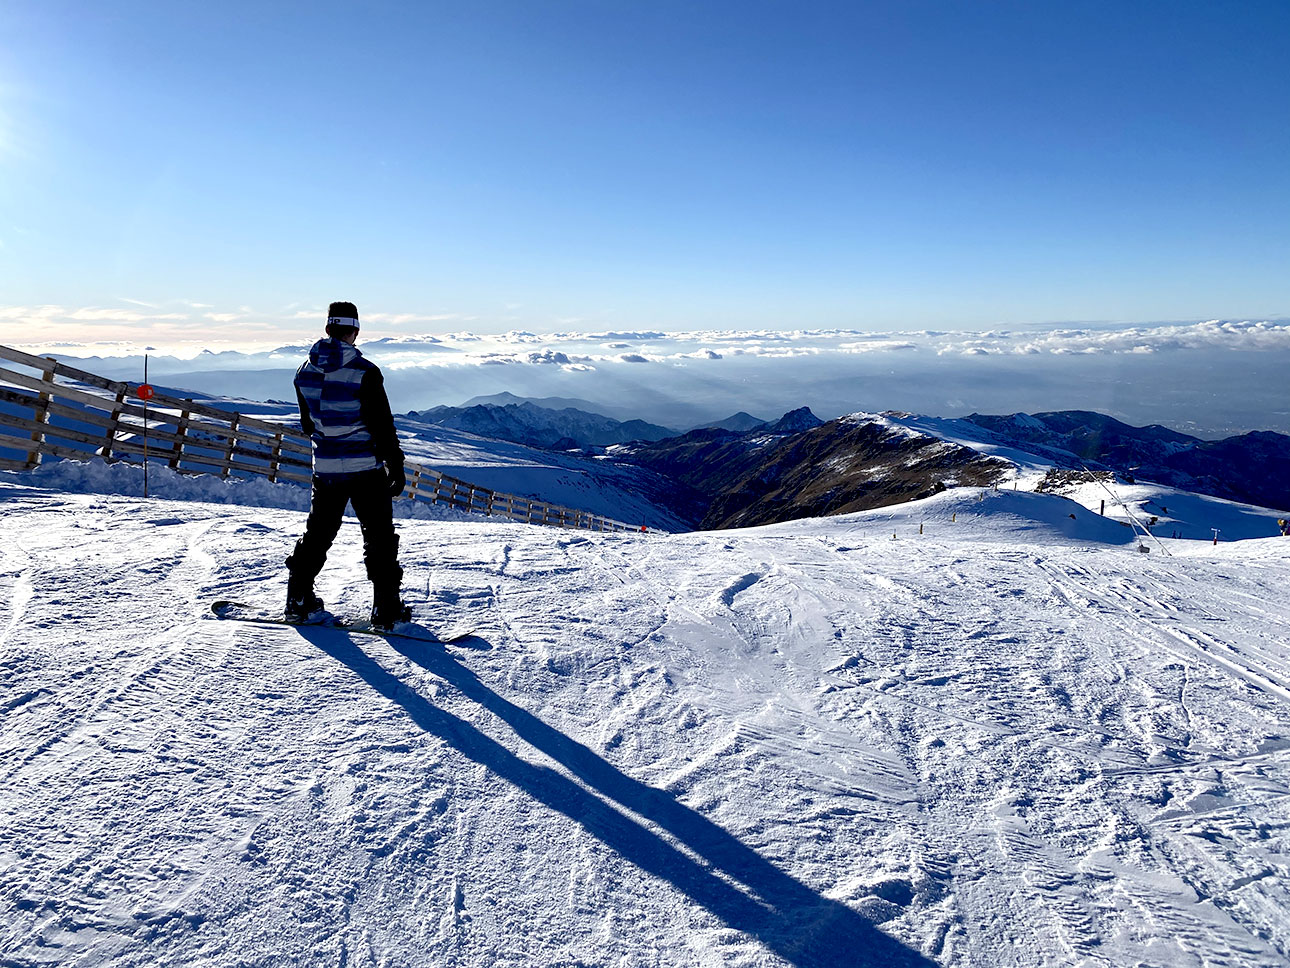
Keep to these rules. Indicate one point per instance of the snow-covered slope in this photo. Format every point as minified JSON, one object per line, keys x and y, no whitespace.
{"x":1010,"y":740}
{"x":1169,"y":512}
{"x":631,"y":494}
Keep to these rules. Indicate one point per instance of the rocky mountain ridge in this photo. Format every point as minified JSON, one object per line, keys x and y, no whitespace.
{"x":801,"y":466}
{"x":1252,"y":468}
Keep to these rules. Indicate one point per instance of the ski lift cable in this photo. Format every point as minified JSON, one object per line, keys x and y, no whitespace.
{"x":1115,"y":499}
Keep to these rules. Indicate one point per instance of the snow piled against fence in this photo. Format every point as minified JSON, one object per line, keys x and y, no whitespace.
{"x":97,"y":476}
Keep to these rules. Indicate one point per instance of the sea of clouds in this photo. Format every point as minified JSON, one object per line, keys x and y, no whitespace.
{"x":1211,"y":378}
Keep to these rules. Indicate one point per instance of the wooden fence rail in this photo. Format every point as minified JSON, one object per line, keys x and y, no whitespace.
{"x":96,"y":416}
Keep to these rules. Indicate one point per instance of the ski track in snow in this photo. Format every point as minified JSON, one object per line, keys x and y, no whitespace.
{"x":801,"y":745}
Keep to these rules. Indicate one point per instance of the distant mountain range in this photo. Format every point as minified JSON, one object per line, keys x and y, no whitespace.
{"x":739,"y":421}
{"x":538,"y":426}
{"x":736,"y":421}
{"x":556,"y":423}
{"x":743,"y":471}
{"x":1252,"y":468}
{"x":507,"y":399}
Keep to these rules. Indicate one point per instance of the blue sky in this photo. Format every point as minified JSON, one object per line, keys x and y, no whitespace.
{"x":190,"y":171}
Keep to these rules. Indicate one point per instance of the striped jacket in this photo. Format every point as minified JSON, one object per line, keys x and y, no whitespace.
{"x":344,"y":410}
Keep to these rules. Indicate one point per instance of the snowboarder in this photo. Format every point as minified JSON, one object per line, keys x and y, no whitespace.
{"x":357,"y":459}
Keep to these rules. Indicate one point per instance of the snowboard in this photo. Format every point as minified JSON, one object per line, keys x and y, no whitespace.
{"x":240,"y":612}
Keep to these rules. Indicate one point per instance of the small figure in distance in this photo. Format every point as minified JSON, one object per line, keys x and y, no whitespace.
{"x":1284,"y":525}
{"x":356,"y":460}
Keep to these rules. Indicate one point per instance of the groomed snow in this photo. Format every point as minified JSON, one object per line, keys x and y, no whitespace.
{"x":1010,"y":740}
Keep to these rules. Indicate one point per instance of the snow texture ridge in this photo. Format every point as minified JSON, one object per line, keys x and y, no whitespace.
{"x":1008,"y":740}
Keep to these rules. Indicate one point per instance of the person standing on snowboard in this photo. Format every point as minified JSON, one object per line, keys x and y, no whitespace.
{"x":357,"y":460}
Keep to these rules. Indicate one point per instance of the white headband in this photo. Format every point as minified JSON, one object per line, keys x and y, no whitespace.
{"x":342,"y":321}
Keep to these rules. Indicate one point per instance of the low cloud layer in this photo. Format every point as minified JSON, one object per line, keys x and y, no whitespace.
{"x":1212,"y":377}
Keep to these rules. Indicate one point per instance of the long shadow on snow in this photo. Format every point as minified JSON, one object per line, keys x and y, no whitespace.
{"x":789,"y":918}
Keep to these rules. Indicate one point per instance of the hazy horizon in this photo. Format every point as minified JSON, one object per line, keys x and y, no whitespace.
{"x":1177,"y":375}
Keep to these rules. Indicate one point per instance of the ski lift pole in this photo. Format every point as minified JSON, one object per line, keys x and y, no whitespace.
{"x":1217,"y":532}
{"x":145,"y":428}
{"x":1135,"y":523}
{"x":145,"y":393}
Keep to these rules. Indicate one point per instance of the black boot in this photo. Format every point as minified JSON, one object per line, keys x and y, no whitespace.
{"x":387,"y":606}
{"x":301,"y":570}
{"x":301,"y":600}
{"x":386,"y":612}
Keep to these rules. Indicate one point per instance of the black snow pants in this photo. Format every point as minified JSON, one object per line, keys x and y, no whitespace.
{"x":370,"y":494}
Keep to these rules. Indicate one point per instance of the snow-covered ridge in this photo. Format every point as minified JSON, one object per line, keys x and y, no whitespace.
{"x":1030,"y":468}
{"x":1194,"y":515}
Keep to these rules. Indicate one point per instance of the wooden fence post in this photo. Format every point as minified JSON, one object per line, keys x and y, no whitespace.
{"x":41,"y":417}
{"x":275,"y":459}
{"x":232,"y":443}
{"x":115,"y":416}
{"x":416,"y":482}
{"x":181,"y":431}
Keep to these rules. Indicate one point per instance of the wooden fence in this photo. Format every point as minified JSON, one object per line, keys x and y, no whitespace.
{"x":90,"y":416}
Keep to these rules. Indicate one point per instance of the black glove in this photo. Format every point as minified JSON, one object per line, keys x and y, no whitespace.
{"x":396,"y":478}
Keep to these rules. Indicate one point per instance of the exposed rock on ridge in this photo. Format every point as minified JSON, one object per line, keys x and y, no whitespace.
{"x":802,"y":467}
